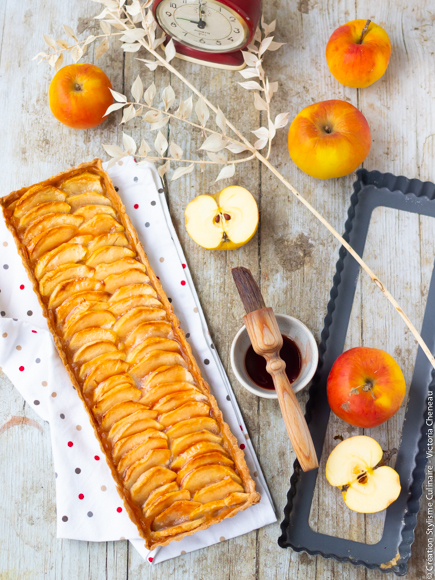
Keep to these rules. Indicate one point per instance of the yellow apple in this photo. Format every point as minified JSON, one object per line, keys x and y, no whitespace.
{"x":223,"y":221}
{"x":366,"y":488}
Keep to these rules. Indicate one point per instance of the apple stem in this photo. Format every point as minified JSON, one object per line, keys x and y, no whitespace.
{"x":364,"y":31}
{"x":388,"y":455}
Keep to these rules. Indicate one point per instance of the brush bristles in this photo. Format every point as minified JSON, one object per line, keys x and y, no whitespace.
{"x":248,"y":289}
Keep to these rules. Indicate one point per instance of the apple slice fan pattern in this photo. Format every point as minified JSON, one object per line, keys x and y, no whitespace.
{"x":88,"y":505}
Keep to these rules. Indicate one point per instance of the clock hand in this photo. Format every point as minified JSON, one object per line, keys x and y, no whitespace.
{"x":201,"y":23}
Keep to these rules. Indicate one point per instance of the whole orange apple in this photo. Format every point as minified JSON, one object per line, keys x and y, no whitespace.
{"x":358,"y":53}
{"x":365,"y":387}
{"x":79,"y":95}
{"x":329,"y":139}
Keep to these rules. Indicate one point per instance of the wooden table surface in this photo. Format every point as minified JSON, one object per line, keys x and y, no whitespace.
{"x":292,"y":256}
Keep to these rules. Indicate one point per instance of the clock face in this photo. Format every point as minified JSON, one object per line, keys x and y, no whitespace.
{"x":206,"y":25}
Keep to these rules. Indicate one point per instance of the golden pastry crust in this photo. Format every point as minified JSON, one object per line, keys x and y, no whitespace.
{"x":161,"y":536}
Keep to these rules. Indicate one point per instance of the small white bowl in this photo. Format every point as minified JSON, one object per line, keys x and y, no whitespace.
{"x":293,"y":329}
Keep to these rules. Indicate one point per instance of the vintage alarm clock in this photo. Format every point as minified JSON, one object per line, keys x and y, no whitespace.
{"x":211,"y":32}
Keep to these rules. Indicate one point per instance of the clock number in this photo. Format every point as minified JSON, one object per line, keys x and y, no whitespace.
{"x":237,"y":30}
{"x":231,"y":39}
{"x":173,"y":25}
{"x":232,"y":19}
{"x":202,"y":41}
{"x":173,"y":5}
{"x":218,"y":42}
{"x":168,"y":13}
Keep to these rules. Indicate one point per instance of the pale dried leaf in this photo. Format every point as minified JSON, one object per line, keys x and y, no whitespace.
{"x":149,"y":95}
{"x":217,"y":157}
{"x":257,"y":35}
{"x":249,"y":73}
{"x":160,"y":144}
{"x":187,"y":108}
{"x":129,"y":144}
{"x":50,"y":41}
{"x":250,"y":59}
{"x":102,"y":48}
{"x":43,"y":55}
{"x":118,"y":97}
{"x":261,"y":143}
{"x":152,"y":116}
{"x":164,"y":168}
{"x":105,"y":27}
{"x":275,"y":45}
{"x":134,"y":8}
{"x":129,"y":114}
{"x":261,"y":133}
{"x":137,"y":89}
{"x":272,"y":130}
{"x":126,"y":47}
{"x":114,"y":150}
{"x":221,"y":122}
{"x":265,"y":45}
{"x":214,"y":143}
{"x":144,"y":148}
{"x":89,"y":39}
{"x":168,"y":97}
{"x":236,"y":148}
{"x":114,"y":107}
{"x":281,"y":120}
{"x":170,"y":51}
{"x":252,"y":48}
{"x":259,"y":103}
{"x":84,"y":49}
{"x":151,"y":64}
{"x":133,"y":35}
{"x":160,"y":124}
{"x":175,"y":151}
{"x":69,"y":32}
{"x":268,"y":28}
{"x":251,"y":86}
{"x":182,"y":171}
{"x":158,"y":41}
{"x":62,"y":43}
{"x":76,"y":53}
{"x":139,"y":111}
{"x":202,"y":112}
{"x":226,"y":172}
{"x":59,"y":62}
{"x":53,"y":59}
{"x":272,"y":88}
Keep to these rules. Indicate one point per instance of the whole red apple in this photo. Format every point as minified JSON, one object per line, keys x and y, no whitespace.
{"x":358,"y":53}
{"x":365,"y":387}
{"x":329,"y":139}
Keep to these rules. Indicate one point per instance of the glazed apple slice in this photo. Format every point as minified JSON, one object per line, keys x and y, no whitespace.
{"x":182,"y":444}
{"x":186,"y":411}
{"x":119,"y":412}
{"x":81,"y":183}
{"x":167,"y":374}
{"x":47,"y":240}
{"x":136,"y":316}
{"x":207,"y":475}
{"x":153,"y":458}
{"x":218,"y":491}
{"x":113,"y":381}
{"x":164,"y":501}
{"x":91,"y":335}
{"x":116,"y":239}
{"x":130,"y":449}
{"x":191,"y":426}
{"x":215,"y":457}
{"x":134,"y":276}
{"x":89,"y":319}
{"x":101,"y":224}
{"x":35,"y":196}
{"x":48,"y":222}
{"x":123,"y":306}
{"x":147,"y":330}
{"x":102,"y":271}
{"x":207,"y":510}
{"x":149,"y":481}
{"x":88,"y":211}
{"x":154,"y":360}
{"x":138,"y":421}
{"x":87,"y":367}
{"x":160,"y":391}
{"x":183,"y":528}
{"x":67,"y":308}
{"x":81,"y":239}
{"x":109,"y":254}
{"x":42,"y":210}
{"x":117,"y":395}
{"x":132,"y":291}
{"x":196,"y":450}
{"x":150,"y":345}
{"x":159,"y":493}
{"x":86,"y":199}
{"x":48,"y":283}
{"x":65,"y":254}
{"x":175,"y":514}
{"x":104,"y":370}
{"x":91,"y":351}
{"x":172,"y":402}
{"x":67,"y":289}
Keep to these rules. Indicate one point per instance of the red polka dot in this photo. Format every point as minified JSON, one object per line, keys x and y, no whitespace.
{"x":119,"y":510}
{"x":22,"y":287}
{"x":136,"y":206}
{"x":97,"y":458}
{"x":21,"y":369}
{"x":241,"y":427}
{"x":150,"y":559}
{"x":184,"y":265}
{"x":242,"y":446}
{"x":157,"y":278}
{"x":81,"y":496}
{"x":70,"y":443}
{"x":183,"y":282}
{"x":34,"y":331}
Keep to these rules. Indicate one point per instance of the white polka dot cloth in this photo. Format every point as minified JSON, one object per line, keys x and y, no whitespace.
{"x":88,"y":505}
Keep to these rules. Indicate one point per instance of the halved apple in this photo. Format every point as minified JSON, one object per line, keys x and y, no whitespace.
{"x":196,"y":450}
{"x":118,"y":412}
{"x":149,"y":481}
{"x":123,"y":306}
{"x":104,"y":370}
{"x":47,"y":240}
{"x":89,"y":319}
{"x":150,"y":345}
{"x":48,"y":222}
{"x":102,"y":271}
{"x":183,"y":528}
{"x":213,"y":458}
{"x":167,"y":374}
{"x":35,"y":196}
{"x":87,"y":199}
{"x":224,"y":221}
{"x":116,"y":239}
{"x":153,"y":458}
{"x":175,"y":514}
{"x":109,"y":254}
{"x":159,"y":493}
{"x":130,"y":449}
{"x":132,"y":291}
{"x":110,"y":383}
{"x":117,"y":395}
{"x":136,"y":316}
{"x":164,"y":501}
{"x":182,"y":444}
{"x":67,"y":308}
{"x":352,"y":466}
{"x":172,"y":402}
{"x":115,"y":281}
{"x":91,"y":351}
{"x":81,"y":183}
{"x":186,"y":411}
{"x":218,"y":491}
{"x":88,"y":211}
{"x":91,"y":335}
{"x":191,"y":426}
{"x":166,"y":389}
{"x":41,"y":210}
{"x":48,"y":283}
{"x":67,"y":289}
{"x":87,"y":367}
{"x":65,"y":254}
{"x":101,"y":224}
{"x":147,"y":330}
{"x":138,"y":421}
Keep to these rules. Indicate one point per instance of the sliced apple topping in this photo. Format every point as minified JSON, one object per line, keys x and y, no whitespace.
{"x":102,"y":271}
{"x":164,"y":501}
{"x":87,"y":199}
{"x":109,"y":254}
{"x":130,"y":449}
{"x":101,"y":224}
{"x":182,"y":444}
{"x":191,"y":426}
{"x":89,"y":319}
{"x":160,"y":391}
{"x":196,"y":450}
{"x":147,"y":330}
{"x":65,"y":272}
{"x":81,"y":239}
{"x":218,"y":491}
{"x":104,"y":370}
{"x":81,"y":183}
{"x":207,"y":475}
{"x":91,"y":335}
{"x":67,"y":289}
{"x":92,"y":351}
{"x":172,"y":402}
{"x":79,"y":303}
{"x":150,"y":345}
{"x":132,"y":291}
{"x":138,"y":421}
{"x":159,"y":493}
{"x":186,"y":411}
{"x":67,"y":253}
{"x":136,"y":316}
{"x":365,"y":487}
{"x":87,"y":367}
{"x":167,"y":374}
{"x":153,"y":458}
{"x":175,"y":514}
{"x":113,"y":381}
{"x":115,"y":281}
{"x":207,"y":510}
{"x":183,"y":528}
{"x":119,"y":412}
{"x":149,"y":481}
{"x":47,"y":240}
{"x":35,"y":196}
{"x":117,"y":395}
{"x":123,"y":306}
{"x":88,"y":211}
{"x":215,"y":457}
{"x":42,"y":210}
{"x":116,"y":239}
{"x":48,"y":222}
{"x":154,"y":360}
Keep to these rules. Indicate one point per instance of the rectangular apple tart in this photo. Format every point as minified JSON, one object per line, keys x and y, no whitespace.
{"x":177,"y":466}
